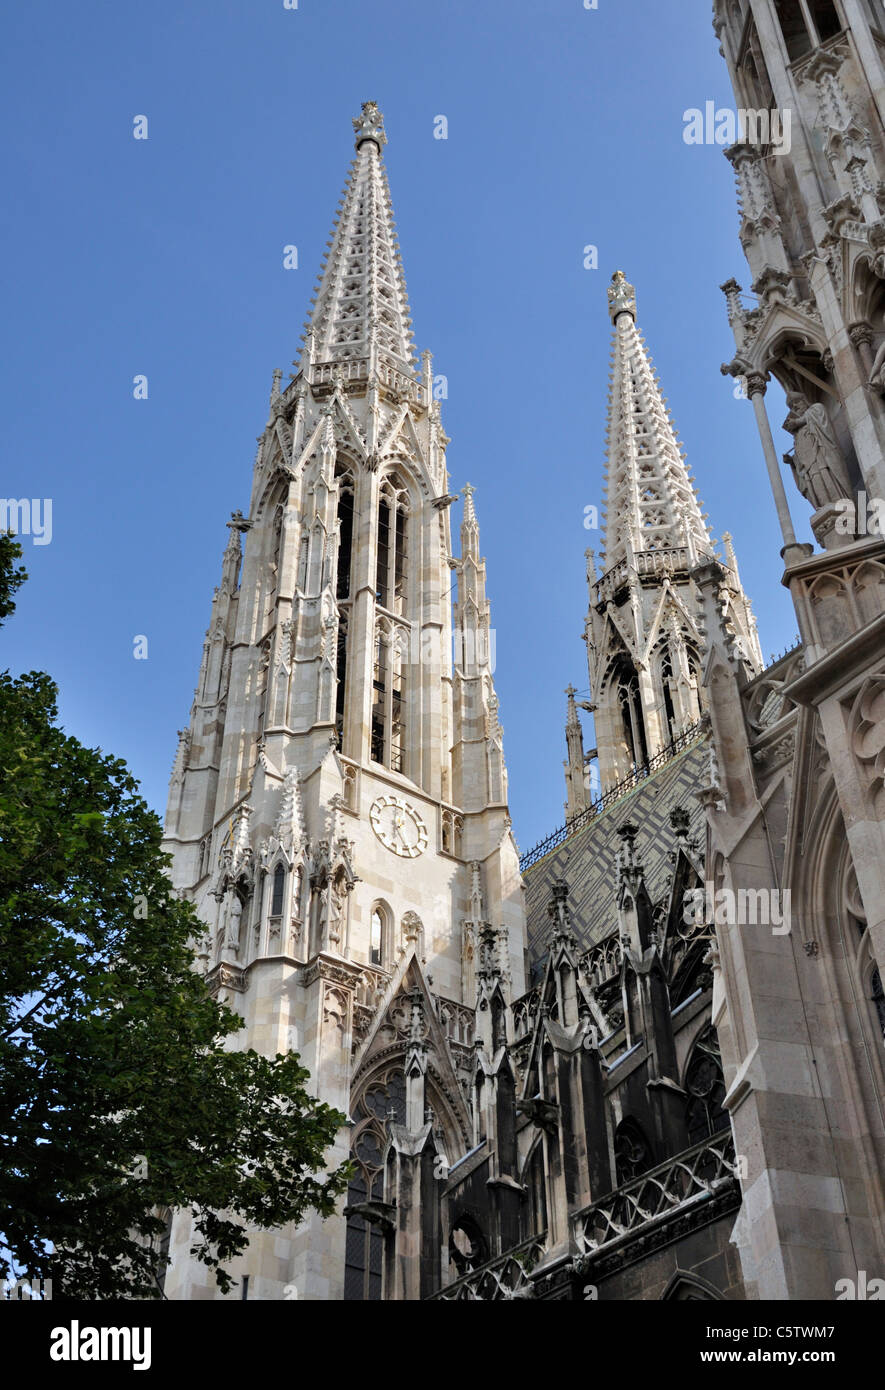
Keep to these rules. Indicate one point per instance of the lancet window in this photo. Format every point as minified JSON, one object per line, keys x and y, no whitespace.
{"x":391,"y":566}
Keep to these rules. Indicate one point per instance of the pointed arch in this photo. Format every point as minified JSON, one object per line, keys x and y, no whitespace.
{"x":392,"y":576}
{"x":389,"y":726}
{"x":341,"y":654}
{"x":623,"y":683}
{"x":381,"y":944}
{"x":278,"y":891}
{"x":344,"y":478}
{"x":689,"y":1288}
{"x":379,"y":1098}
{"x":633,"y":1151}
{"x":704,"y":1086}
{"x":534,"y":1179}
{"x":382,"y":1097}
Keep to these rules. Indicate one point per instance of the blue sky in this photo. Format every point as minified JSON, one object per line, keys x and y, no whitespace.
{"x":165,"y":257}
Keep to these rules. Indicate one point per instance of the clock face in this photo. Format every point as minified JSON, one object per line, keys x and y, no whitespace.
{"x":398,"y":826}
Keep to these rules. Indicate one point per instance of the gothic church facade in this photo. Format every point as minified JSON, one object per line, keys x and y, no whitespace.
{"x":561,"y":1082}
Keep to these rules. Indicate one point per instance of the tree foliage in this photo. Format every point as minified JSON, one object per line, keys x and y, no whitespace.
{"x":118,"y":1096}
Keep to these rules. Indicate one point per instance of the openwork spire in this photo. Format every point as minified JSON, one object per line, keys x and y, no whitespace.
{"x":360,"y":319}
{"x":650,"y":497}
{"x":469,"y":525}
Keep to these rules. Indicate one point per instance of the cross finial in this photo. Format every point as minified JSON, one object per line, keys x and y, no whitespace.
{"x":369,"y":125}
{"x":621,"y":297}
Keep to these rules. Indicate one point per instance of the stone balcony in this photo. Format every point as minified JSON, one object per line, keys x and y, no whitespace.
{"x":687,"y":1191}
{"x":649,"y":566}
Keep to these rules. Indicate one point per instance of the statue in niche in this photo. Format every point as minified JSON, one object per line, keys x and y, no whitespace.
{"x":335,"y":907}
{"x":877,"y":373}
{"x":818,"y":466}
{"x":234,"y":917}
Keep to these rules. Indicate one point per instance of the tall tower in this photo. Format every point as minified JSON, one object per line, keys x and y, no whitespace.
{"x":809,"y":78}
{"x":644,"y":642}
{"x":795,"y":804}
{"x":338,"y":804}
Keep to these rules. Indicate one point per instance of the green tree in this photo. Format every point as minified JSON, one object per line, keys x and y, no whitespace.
{"x":117,"y":1096}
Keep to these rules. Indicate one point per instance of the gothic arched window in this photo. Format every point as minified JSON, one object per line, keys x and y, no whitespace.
{"x":753,"y":72}
{"x":686,"y":1288}
{"x":633,"y":1154}
{"x":384,"y":1099}
{"x":380,"y":944}
{"x":826,"y":19}
{"x":345,"y":532}
{"x":797,"y":39}
{"x":389,"y":693}
{"x":275,"y":563}
{"x":825,"y":23}
{"x":397,"y":758}
{"x":297,"y":898}
{"x":667,"y":690}
{"x":391,"y":556}
{"x":630,"y":703}
{"x":341,"y":676}
{"x":379,"y":694}
{"x":276,"y":898}
{"x":377,"y":937}
{"x":303,"y":557}
{"x":705,"y":1088}
{"x":262,"y":679}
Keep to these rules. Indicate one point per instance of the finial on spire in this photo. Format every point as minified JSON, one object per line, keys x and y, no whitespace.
{"x":559,"y":914}
{"x":621,"y":297}
{"x":369,"y":125}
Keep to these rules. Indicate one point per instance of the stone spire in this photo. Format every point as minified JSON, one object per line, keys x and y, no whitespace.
{"x":360,"y":317}
{"x":335,"y":703}
{"x":645,"y":638}
{"x":469,"y":525}
{"x":289,"y":828}
{"x":578,"y":799}
{"x":651,"y":500}
{"x":480,"y":777}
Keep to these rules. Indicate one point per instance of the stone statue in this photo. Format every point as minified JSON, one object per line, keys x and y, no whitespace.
{"x":234,"y":916}
{"x":877,"y":374}
{"x":334,"y":911}
{"x":819,"y":468}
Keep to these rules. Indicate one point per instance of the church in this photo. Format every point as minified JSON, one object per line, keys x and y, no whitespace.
{"x":568,"y":1075}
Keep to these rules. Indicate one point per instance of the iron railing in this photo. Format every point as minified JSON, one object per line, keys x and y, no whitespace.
{"x":501,"y":1279}
{"x":691,"y":1178}
{"x":602,"y":803}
